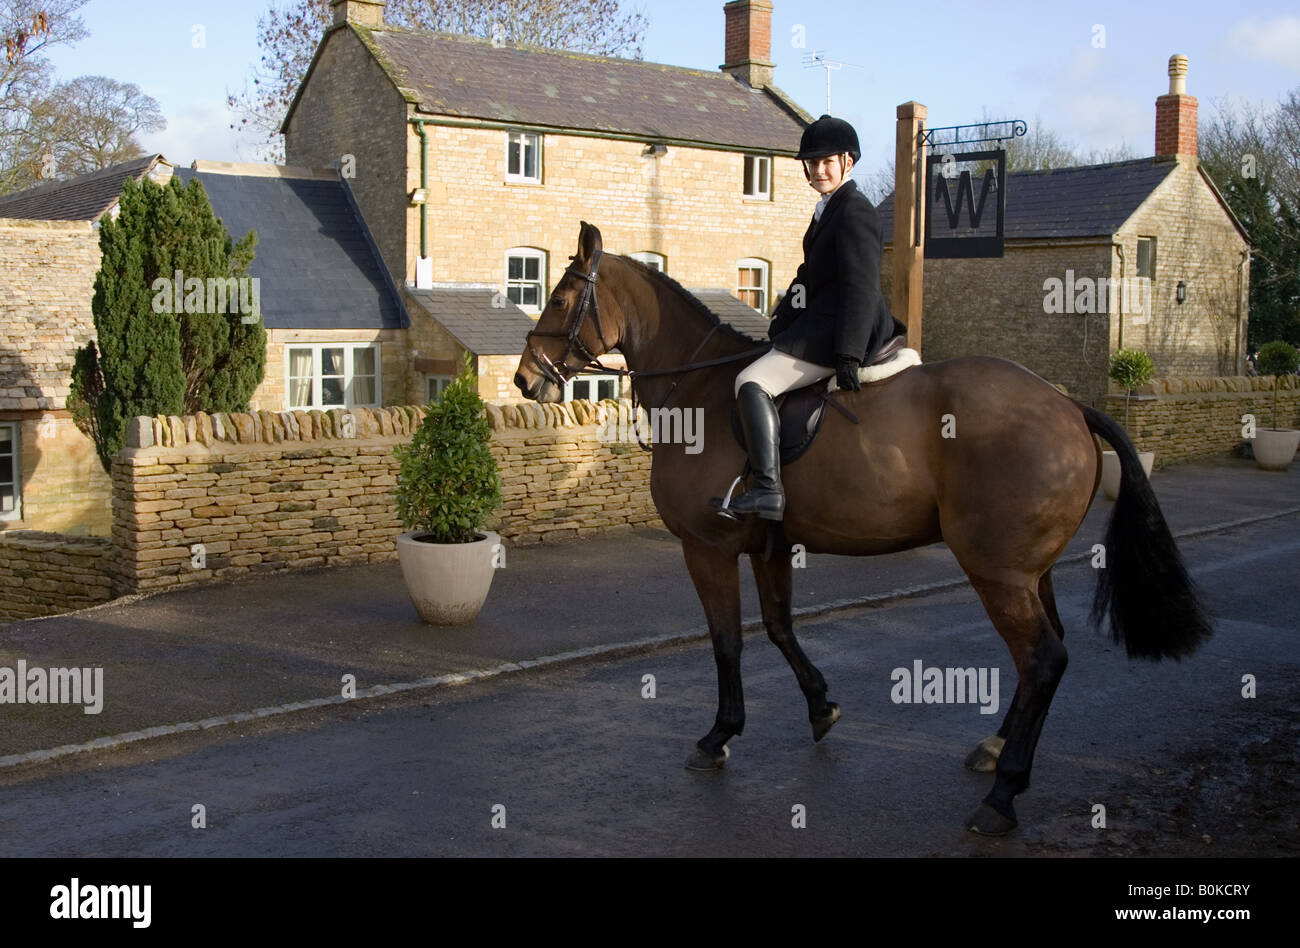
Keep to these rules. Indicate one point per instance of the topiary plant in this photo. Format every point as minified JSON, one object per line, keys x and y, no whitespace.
{"x":1130,"y":368}
{"x":1277,"y":359}
{"x":447,"y":482}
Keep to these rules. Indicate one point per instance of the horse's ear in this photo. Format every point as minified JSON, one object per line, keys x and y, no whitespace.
{"x":589,"y":241}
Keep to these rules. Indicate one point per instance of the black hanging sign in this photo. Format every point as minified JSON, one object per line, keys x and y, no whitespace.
{"x":965,"y":214}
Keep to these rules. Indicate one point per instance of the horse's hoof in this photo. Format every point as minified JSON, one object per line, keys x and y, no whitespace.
{"x":702,"y":760}
{"x":823,"y":724}
{"x":984,"y":758}
{"x":989,"y":822}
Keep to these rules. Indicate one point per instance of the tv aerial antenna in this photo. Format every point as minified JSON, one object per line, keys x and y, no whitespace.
{"x":817,"y":59}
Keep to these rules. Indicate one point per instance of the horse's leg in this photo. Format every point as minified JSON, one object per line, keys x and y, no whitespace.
{"x":717,"y":582}
{"x":984,"y":758}
{"x":773,"y":577}
{"x":1022,"y":621}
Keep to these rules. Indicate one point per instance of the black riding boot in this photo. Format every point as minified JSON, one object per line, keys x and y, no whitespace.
{"x":762,"y":427}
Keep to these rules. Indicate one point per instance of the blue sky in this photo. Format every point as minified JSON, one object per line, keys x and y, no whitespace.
{"x":1031,"y":60}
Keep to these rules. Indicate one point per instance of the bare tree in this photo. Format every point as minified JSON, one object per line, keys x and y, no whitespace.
{"x":92,"y":122}
{"x":288,"y":39}
{"x":27,"y":29}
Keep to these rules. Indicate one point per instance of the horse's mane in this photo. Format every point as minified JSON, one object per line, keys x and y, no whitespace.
{"x":725,"y":329}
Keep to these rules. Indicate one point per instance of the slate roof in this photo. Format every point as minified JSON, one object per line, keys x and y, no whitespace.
{"x":453,"y":75}
{"x":318,"y":265}
{"x":468,"y":314}
{"x":735,"y":312}
{"x":86,"y":197}
{"x":1088,"y":201}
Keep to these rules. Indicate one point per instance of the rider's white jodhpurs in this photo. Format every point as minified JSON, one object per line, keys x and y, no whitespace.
{"x":778,"y":372}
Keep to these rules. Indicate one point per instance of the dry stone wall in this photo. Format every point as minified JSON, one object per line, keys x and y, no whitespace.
{"x":1188,"y":417}
{"x":44,"y":574}
{"x":217,"y":496}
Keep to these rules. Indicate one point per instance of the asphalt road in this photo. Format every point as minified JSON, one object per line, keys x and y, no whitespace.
{"x":583,"y":764}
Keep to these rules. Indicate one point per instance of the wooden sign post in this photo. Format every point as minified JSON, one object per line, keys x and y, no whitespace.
{"x":909,"y":212}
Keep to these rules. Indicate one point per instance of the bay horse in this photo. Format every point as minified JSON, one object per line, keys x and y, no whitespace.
{"x":1006,"y":490}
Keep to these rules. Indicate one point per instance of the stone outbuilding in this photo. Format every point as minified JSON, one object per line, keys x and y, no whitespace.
{"x":1141,"y":254}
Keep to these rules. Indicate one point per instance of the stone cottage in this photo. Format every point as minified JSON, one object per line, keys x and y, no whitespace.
{"x":473,"y":163}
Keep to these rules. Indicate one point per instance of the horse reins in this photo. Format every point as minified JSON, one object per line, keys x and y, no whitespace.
{"x":554,"y":372}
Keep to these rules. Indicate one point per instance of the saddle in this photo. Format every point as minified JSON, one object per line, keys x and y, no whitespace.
{"x":802,"y":410}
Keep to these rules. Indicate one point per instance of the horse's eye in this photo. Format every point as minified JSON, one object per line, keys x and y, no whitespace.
{"x":557,"y":301}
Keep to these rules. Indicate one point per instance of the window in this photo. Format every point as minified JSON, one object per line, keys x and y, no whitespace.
{"x":333,"y":375}
{"x":592,"y":387}
{"x":751,"y":282}
{"x":435,"y":386}
{"x":655,"y":261}
{"x":10,"y":472}
{"x":524,"y":157}
{"x":758,"y":176}
{"x":1146,"y":258}
{"x":524,"y":284}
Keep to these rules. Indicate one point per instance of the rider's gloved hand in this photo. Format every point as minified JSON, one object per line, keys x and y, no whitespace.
{"x":846,"y":373}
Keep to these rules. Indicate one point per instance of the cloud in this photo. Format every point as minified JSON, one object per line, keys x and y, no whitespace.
{"x":1275,"y":41}
{"x":202,"y":132}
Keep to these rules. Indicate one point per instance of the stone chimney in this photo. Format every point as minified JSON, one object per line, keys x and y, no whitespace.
{"x":1176,"y":115}
{"x":749,"y":41}
{"x":361,"y":12}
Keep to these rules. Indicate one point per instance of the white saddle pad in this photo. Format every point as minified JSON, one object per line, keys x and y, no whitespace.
{"x":902,"y":359}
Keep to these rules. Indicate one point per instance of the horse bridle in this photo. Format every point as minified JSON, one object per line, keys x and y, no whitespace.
{"x":554,"y":372}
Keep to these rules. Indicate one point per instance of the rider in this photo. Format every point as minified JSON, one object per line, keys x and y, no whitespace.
{"x":831,"y":320}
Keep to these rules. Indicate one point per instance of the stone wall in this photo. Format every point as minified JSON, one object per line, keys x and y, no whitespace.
{"x":44,"y":574}
{"x":1182,"y":418}
{"x":272,"y":491}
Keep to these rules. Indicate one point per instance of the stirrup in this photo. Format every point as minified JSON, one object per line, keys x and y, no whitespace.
{"x":724,"y":504}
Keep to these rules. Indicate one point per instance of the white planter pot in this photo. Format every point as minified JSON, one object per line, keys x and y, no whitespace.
{"x":1110,"y":470}
{"x":1274,"y":448}
{"x":448,"y":582}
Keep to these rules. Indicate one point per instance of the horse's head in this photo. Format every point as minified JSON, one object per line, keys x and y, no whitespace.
{"x":572,"y":332}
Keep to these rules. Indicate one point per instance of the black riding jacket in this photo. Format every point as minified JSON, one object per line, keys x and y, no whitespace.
{"x":843,"y":310}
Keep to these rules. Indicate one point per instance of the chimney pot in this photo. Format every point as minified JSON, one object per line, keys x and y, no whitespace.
{"x":1177,"y":75}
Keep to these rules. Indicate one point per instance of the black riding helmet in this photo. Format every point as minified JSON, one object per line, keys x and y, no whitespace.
{"x":829,"y":136}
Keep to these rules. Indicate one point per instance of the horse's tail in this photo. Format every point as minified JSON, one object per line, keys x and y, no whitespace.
{"x":1154,"y":607}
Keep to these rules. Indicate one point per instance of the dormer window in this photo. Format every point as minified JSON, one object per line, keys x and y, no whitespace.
{"x":758,"y":177}
{"x":524,"y":157}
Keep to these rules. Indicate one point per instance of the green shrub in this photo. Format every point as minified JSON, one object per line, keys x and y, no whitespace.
{"x":1130,"y":368}
{"x":448,"y":484}
{"x":1277,"y":359}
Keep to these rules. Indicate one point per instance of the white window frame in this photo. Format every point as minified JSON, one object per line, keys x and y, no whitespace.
{"x":435,"y":385}
{"x":16,"y":428}
{"x":655,"y":261}
{"x":521,"y":176}
{"x":349,"y":361}
{"x":528,"y":253}
{"x":762,"y":165}
{"x":754,"y":263}
{"x":594,"y":380}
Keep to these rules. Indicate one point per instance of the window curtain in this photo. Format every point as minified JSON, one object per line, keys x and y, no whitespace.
{"x":300,"y":377}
